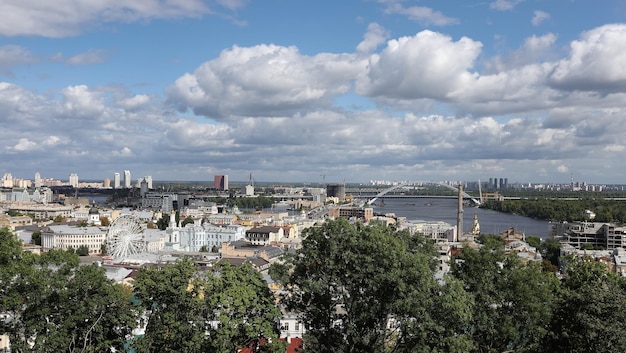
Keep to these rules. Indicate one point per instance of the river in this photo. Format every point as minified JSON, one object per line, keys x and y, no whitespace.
{"x":433,"y":209}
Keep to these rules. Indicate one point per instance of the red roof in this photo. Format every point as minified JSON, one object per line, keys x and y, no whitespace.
{"x":293,"y":347}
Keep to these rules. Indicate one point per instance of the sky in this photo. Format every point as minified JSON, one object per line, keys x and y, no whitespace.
{"x":314,"y":91}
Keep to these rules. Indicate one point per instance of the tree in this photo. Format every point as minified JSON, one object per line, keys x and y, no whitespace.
{"x":36,"y":238}
{"x":242,"y":305}
{"x":188,"y":311}
{"x":171,"y":296}
{"x":56,"y":305}
{"x":551,"y":250}
{"x":82,"y":223}
{"x":513,"y":300}
{"x":163,"y":222}
{"x":186,"y":221}
{"x":591,"y":311}
{"x":104,"y":221}
{"x":533,"y":241}
{"x":491,"y":241}
{"x":349,"y":282}
{"x":82,"y":250}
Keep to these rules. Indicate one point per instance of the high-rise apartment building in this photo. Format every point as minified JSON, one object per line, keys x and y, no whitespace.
{"x":7,"y":180}
{"x":38,"y":182}
{"x":73,"y":180}
{"x":148,"y":179}
{"x":127,"y":180}
{"x":220,"y":182}
{"x":116,"y":181}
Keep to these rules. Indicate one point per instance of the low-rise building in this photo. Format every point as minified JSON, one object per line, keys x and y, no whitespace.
{"x":362,"y":213}
{"x":194,"y":237}
{"x":40,"y":211}
{"x":590,"y":235}
{"x":65,"y":237}
{"x":265,"y":235}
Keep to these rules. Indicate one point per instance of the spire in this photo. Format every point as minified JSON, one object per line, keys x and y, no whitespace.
{"x":172,"y":219}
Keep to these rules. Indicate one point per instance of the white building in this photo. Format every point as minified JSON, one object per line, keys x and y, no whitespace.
{"x":148,"y":179}
{"x":73,"y":180}
{"x":116,"y":181}
{"x":7,"y":180}
{"x":127,"y":179}
{"x":193,"y":237}
{"x":38,"y":182}
{"x":43,"y":195}
{"x":65,"y":237}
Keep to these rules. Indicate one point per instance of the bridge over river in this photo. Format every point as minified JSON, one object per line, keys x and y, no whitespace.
{"x":388,"y":192}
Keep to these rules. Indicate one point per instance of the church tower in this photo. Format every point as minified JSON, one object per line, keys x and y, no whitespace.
{"x":476,"y":225}
{"x":173,"y":230}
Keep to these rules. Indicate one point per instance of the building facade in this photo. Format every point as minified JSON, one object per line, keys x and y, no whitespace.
{"x":194,"y":237}
{"x":590,"y":235}
{"x":73,"y":180}
{"x":116,"y":181}
{"x":220,"y":182}
{"x":127,"y":179}
{"x":65,"y":237}
{"x":362,"y":213}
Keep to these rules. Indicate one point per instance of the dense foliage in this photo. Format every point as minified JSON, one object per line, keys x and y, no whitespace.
{"x":52,"y":304}
{"x":189,"y":311}
{"x":372,"y":289}
{"x":562,"y":210}
{"x":356,"y":288}
{"x":367,"y":278}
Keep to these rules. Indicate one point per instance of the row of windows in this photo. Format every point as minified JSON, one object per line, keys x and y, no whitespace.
{"x":285,"y":326}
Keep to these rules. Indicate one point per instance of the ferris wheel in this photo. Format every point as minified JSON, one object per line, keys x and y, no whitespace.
{"x":125,"y":237}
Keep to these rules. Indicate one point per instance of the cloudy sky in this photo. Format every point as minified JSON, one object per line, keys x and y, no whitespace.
{"x":312,"y":91}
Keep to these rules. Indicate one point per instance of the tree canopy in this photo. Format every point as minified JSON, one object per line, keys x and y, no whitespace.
{"x":53,"y":304}
{"x":350,"y":282}
{"x":215,"y":311}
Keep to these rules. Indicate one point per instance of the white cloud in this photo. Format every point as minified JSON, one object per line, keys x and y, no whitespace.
{"x":232,"y":4}
{"x":63,"y":18}
{"x":534,"y":49}
{"x":562,"y":169}
{"x":135,"y":101}
{"x":374,"y":37}
{"x":613,"y":148}
{"x":124,"y":152}
{"x":504,"y":5}
{"x":423,"y":15}
{"x":264,"y":80}
{"x":81,"y":102}
{"x":25,"y":144}
{"x":539,"y":16}
{"x":12,"y":56}
{"x":427,"y":65}
{"x":51,"y":141}
{"x":89,"y":58}
{"x":595,"y":63}
{"x":445,"y":110}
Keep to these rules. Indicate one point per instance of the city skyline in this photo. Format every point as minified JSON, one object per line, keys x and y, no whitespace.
{"x":320,"y":91}
{"x":222,"y":182}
